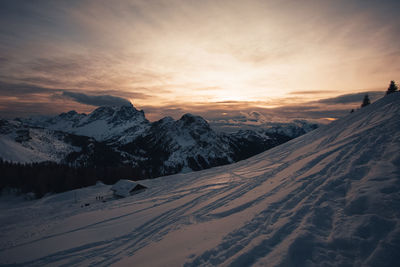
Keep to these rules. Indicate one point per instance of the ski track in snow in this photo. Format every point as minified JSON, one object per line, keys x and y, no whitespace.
{"x":329,"y":198}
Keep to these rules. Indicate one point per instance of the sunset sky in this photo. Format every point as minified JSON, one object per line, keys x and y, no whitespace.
{"x":307,"y":59}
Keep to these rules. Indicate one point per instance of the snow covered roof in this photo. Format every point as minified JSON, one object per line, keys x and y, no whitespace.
{"x":124,"y":187}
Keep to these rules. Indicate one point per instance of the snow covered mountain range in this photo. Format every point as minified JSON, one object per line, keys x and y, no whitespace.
{"x":328,"y":198}
{"x":123,"y":133}
{"x":119,"y":123}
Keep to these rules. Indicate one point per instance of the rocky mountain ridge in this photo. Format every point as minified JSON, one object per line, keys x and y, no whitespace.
{"x":123,"y":136}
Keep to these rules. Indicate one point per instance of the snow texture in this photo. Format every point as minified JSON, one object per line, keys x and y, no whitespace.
{"x":328,"y":198}
{"x":24,"y":144}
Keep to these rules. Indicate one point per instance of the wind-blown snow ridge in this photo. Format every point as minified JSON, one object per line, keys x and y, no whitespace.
{"x":328,"y":198}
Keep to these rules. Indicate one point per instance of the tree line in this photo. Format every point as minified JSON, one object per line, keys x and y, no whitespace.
{"x":51,"y":177}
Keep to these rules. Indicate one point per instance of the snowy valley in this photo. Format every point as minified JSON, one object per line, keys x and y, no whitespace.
{"x":328,"y":198}
{"x":124,"y":137}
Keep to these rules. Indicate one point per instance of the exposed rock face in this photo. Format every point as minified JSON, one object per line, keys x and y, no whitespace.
{"x":123,"y":136}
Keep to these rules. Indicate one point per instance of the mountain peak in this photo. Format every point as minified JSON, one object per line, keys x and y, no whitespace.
{"x":114,"y":114}
{"x":69,"y":115}
{"x":166,"y":120}
{"x":189,"y":119}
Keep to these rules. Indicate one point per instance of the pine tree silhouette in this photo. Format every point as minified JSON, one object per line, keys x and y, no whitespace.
{"x":366,"y":101}
{"x":392,"y":88}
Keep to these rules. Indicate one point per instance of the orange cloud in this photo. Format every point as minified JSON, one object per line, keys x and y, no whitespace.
{"x":261,"y":54}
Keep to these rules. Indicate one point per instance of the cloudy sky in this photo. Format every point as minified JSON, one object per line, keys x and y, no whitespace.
{"x":296,"y":59}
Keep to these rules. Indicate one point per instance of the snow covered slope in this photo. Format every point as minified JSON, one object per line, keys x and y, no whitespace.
{"x":19,"y":143}
{"x":328,"y":198}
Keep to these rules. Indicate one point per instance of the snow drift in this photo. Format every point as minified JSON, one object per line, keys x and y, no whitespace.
{"x":328,"y":198}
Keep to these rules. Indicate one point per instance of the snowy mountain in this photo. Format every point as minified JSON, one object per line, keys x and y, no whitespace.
{"x":184,"y":145}
{"x":189,"y":144}
{"x":123,"y":136}
{"x":118,"y":123}
{"x":328,"y":198}
{"x":254,"y":121}
{"x":123,"y":124}
{"x":292,"y":129}
{"x":26,"y":144}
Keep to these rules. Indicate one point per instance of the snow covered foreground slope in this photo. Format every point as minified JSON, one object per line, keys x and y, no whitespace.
{"x":328,"y":198}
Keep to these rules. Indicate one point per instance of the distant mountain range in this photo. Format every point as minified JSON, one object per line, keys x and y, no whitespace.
{"x":113,"y":136}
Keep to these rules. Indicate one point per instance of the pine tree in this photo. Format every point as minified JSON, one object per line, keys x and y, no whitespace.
{"x":366,"y":101}
{"x":392,"y":88}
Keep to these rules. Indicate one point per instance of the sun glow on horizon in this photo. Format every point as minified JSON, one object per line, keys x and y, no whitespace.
{"x":255,"y":54}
